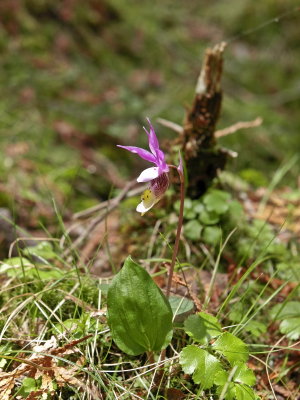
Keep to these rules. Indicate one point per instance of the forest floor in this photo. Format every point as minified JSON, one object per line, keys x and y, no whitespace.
{"x":80,"y":78}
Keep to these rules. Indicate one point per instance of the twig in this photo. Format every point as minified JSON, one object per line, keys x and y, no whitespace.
{"x":236,"y":127}
{"x":92,"y":210}
{"x":110,"y":206}
{"x":267,"y":365}
{"x":219,"y":133}
{"x":169,"y":124}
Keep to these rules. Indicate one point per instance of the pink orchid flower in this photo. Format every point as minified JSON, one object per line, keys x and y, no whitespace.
{"x":156,"y":176}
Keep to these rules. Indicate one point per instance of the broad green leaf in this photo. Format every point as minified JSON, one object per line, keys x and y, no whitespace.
{"x":217,"y":201}
{"x":289,"y":315}
{"x":49,"y":273}
{"x":28,"y":385}
{"x":231,"y":347}
{"x":20,"y":266}
{"x":11,"y":265}
{"x":202,"y":327}
{"x":181,"y":307}
{"x":212,"y":235}
{"x":139,"y":315}
{"x":291,"y":327}
{"x":201,"y":364}
{"x":192,"y":230}
{"x":288,"y":310}
{"x":42,"y":249}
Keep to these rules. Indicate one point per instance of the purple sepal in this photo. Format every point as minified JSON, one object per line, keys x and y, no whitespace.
{"x":157,"y":156}
{"x":145,"y":154}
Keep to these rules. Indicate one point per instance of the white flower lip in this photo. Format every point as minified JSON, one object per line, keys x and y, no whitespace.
{"x":142,"y":209}
{"x":148,"y":174}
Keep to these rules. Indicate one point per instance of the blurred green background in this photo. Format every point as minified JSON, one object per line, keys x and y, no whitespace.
{"x":77,"y":77}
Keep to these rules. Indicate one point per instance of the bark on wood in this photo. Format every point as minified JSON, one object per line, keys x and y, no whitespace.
{"x":202,"y":156}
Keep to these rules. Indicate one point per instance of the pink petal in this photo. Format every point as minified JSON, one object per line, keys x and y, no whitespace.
{"x":148,"y":174}
{"x":146,"y":155}
{"x":153,"y":141}
{"x":161,"y":161}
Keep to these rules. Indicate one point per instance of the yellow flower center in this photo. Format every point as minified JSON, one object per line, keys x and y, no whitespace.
{"x":148,"y":198}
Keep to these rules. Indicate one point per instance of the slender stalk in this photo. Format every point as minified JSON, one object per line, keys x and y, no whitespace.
{"x":179,"y":227}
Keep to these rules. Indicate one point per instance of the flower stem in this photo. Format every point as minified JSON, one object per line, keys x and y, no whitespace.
{"x":179,"y":227}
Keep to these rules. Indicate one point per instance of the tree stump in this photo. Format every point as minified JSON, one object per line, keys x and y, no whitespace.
{"x":203,"y":157}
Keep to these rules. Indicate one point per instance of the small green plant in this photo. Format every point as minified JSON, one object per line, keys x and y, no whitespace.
{"x":139,"y":315}
{"x":217,"y":359}
{"x":289,"y":316}
{"x":253,"y":327}
{"x":204,"y":216}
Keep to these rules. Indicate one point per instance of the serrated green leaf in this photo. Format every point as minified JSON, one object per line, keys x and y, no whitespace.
{"x":244,"y":375}
{"x":201,"y":364}
{"x":221,"y":378}
{"x":291,"y":327}
{"x":231,"y":347}
{"x":139,"y":315}
{"x":192,"y":230}
{"x":236,"y":312}
{"x":229,"y":394}
{"x":202,"y":327}
{"x":235,"y":391}
{"x":243,"y":392}
{"x":256,"y":328}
